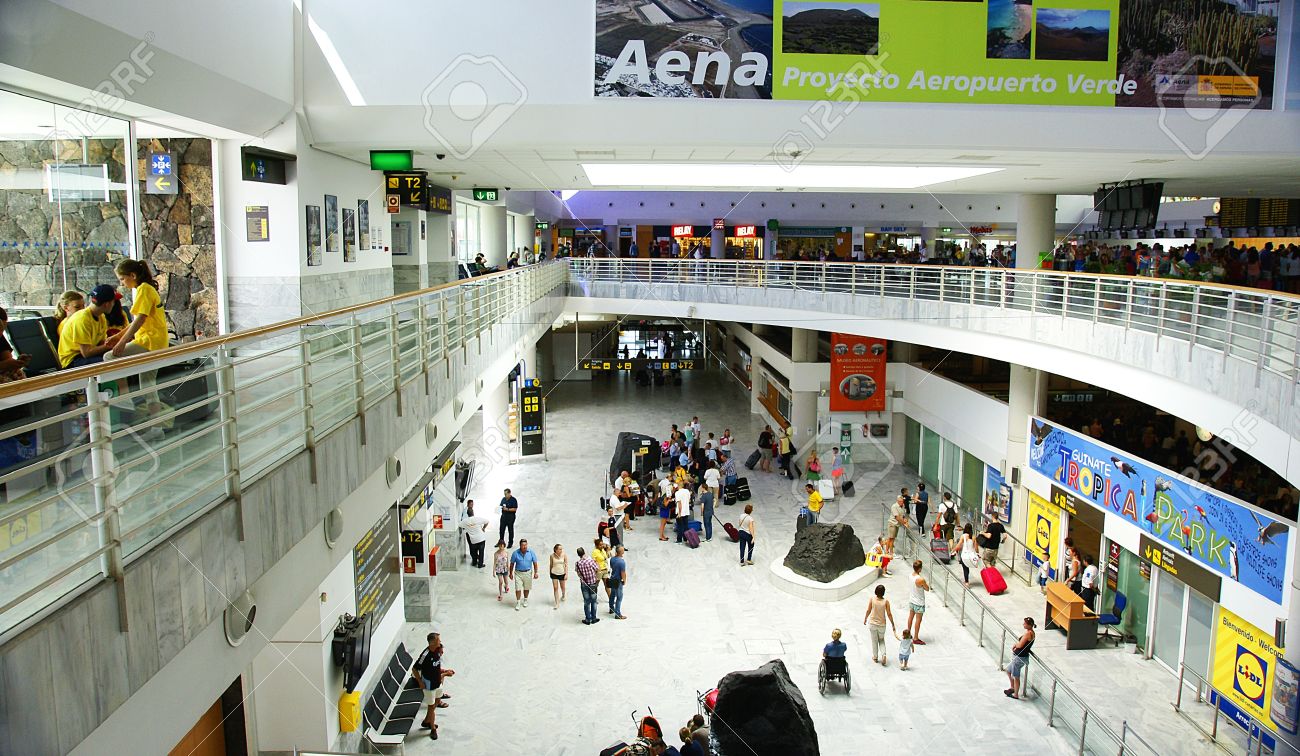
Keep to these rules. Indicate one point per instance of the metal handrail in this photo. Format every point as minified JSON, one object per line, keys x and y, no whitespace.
{"x":1203,"y":688}
{"x":105,"y":485}
{"x":1257,"y":327}
{"x":1091,"y":722}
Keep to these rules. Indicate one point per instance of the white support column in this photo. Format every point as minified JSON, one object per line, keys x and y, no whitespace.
{"x":803,"y":418}
{"x":803,"y":345}
{"x":1027,"y":396}
{"x":496,"y":404}
{"x":525,"y":233}
{"x":1035,"y":227}
{"x":718,"y":243}
{"x":928,"y":235}
{"x":530,"y":360}
{"x":493,"y":220}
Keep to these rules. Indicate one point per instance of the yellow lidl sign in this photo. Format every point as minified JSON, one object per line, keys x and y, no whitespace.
{"x":1245,"y":665}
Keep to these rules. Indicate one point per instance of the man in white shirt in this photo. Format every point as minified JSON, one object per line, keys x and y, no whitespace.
{"x":666,"y":487}
{"x":712,"y":479}
{"x":475,"y":528}
{"x":683,"y":500}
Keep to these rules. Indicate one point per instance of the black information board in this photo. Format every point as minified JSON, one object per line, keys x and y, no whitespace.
{"x":531,"y":419}
{"x":1173,"y":562}
{"x":1251,"y":212}
{"x":374,"y":568}
{"x":639,"y":364}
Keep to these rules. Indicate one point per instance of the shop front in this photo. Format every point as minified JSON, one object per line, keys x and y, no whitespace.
{"x":579,"y":240}
{"x":689,"y":238}
{"x":814,"y":242}
{"x":745,"y":242}
{"x":1193,"y":582}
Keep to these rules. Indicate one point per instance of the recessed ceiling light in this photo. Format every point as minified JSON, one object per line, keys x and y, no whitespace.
{"x":772,"y":175}
{"x":1154,"y":160}
{"x":973,"y":157}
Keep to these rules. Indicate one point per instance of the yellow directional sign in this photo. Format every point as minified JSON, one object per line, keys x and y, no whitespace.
{"x":160,"y":185}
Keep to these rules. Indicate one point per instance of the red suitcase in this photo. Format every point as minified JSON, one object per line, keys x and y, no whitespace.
{"x":993,"y":580}
{"x":732,"y":533}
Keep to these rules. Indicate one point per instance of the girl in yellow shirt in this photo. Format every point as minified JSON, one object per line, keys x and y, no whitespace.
{"x":147,"y":331}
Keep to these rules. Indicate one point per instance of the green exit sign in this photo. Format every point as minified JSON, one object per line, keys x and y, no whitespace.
{"x":391,"y":160}
{"x":485,"y":195}
{"x":946,"y":229}
{"x":543,"y":225}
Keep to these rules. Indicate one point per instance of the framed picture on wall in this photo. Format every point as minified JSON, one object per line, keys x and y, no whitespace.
{"x":349,"y":235}
{"x":331,"y":223}
{"x":313,"y":235}
{"x":363,"y":223}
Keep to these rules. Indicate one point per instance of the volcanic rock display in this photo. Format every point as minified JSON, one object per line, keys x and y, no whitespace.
{"x":824,"y":552}
{"x":760,"y":712}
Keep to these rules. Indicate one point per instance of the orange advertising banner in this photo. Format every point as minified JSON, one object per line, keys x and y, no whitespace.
{"x":857,"y":373}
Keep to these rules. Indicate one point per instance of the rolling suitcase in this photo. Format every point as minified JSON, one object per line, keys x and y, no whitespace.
{"x":939,"y":547}
{"x":695,"y":525}
{"x":994,"y":583}
{"x":732,"y":533}
{"x":826,"y":488}
{"x":742,"y":489}
{"x":752,"y":462}
{"x":846,"y":488}
{"x":693,"y":538}
{"x":730,"y":495}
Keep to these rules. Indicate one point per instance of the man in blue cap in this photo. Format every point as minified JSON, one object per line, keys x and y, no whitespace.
{"x":83,"y":338}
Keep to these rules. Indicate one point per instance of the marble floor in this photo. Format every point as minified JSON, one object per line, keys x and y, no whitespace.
{"x":539,"y":681}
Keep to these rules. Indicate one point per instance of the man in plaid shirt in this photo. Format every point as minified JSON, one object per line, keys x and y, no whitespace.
{"x":587,"y":578}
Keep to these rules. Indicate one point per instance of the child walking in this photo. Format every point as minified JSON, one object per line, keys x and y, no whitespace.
{"x":905,"y":649}
{"x":501,"y":567}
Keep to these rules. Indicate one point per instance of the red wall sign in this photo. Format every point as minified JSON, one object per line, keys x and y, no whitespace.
{"x":683,"y":231}
{"x":746,"y":231}
{"x":857,"y":373}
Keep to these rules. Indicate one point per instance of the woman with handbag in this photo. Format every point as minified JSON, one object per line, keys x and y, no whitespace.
{"x":970,"y":557}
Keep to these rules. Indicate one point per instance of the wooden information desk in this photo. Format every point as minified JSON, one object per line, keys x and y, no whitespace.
{"x":1069,"y":612}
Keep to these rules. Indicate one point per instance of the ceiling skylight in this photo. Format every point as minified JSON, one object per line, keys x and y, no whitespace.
{"x":774,"y":176}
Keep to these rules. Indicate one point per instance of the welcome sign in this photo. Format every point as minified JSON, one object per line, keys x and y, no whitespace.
{"x":1127,"y":53}
{"x":1225,"y":535}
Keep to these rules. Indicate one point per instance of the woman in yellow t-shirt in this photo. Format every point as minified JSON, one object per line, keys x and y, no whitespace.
{"x":148,"y":329}
{"x":146,"y":333}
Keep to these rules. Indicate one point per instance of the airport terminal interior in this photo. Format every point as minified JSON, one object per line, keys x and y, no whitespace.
{"x":640,"y":377}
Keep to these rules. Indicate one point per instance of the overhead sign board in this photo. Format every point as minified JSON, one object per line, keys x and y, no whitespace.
{"x":683,"y":231}
{"x":1012,"y":52}
{"x":263,"y":166}
{"x":485,"y":195}
{"x":745,"y":232}
{"x":1180,"y":565}
{"x":1222,"y":534}
{"x":638,"y":364}
{"x":391,"y":160}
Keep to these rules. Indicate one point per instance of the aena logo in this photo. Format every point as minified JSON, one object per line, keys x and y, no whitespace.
{"x":1250,"y":676}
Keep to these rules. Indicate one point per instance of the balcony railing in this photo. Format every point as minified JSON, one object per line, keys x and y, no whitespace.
{"x":97,"y":464}
{"x":1254,"y":326}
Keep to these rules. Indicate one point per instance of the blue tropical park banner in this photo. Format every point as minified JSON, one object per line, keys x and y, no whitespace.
{"x":1226,"y":535}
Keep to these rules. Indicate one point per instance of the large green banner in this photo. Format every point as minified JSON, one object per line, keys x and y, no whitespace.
{"x":1128,"y":53}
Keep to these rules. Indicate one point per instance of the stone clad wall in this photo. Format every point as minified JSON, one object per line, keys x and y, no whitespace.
{"x":46,"y":247}
{"x":178,"y":235}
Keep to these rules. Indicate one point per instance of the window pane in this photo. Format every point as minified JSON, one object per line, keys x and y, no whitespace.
{"x":930,"y":445}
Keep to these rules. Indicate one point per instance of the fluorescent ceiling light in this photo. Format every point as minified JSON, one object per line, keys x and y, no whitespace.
{"x":567,"y":194}
{"x":772,"y":175}
{"x":335,"y":61}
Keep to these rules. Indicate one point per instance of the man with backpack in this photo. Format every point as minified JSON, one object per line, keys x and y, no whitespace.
{"x":949,"y":518}
{"x":765,"y":441}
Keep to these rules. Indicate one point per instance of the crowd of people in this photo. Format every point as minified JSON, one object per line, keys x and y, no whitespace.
{"x":1270,"y":267}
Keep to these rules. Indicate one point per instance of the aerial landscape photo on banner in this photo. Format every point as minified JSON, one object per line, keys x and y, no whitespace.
{"x":1119,"y":53}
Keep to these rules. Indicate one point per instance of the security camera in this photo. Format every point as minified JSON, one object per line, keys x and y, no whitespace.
{"x":507,"y":188}
{"x":440,"y":156}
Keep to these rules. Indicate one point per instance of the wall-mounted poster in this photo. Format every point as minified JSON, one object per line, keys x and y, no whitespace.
{"x":997,"y":494}
{"x":331,"y":223}
{"x":363,"y":223}
{"x":313,"y":235}
{"x":401,"y":238}
{"x":857,"y":373}
{"x":349,"y":235}
{"x":1110,"y":53}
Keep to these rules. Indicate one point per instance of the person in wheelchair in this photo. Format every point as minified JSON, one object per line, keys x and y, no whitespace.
{"x":834,"y":664}
{"x":836,"y":648}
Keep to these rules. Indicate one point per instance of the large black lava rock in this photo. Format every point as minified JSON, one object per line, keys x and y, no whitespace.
{"x":760,"y":712}
{"x":824,"y":552}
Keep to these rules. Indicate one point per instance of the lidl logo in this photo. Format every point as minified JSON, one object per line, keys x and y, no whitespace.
{"x":1043,"y":534}
{"x":1251,"y":673}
